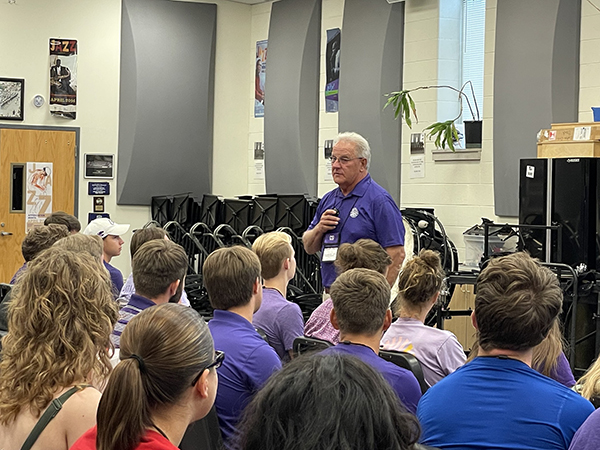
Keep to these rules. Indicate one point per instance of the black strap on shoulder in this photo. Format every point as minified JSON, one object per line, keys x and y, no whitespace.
{"x":51,"y":412}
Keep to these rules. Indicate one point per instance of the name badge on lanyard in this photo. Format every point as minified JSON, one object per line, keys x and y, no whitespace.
{"x":331,"y":243}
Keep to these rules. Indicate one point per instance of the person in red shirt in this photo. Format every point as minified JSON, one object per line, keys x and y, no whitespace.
{"x":166,"y":380}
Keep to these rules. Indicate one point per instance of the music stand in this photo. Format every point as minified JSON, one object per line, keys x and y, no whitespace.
{"x":292,"y":212}
{"x":264,"y":213}
{"x":212,"y":210}
{"x":161,"y":207}
{"x":237,"y":213}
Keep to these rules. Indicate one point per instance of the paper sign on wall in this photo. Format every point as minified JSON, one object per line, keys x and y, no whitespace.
{"x":39,"y":194}
{"x":417,"y":166}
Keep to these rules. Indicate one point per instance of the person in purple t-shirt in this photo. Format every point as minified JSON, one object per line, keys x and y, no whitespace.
{"x":110,"y":232}
{"x":280,"y":319}
{"x":361,"y":312}
{"x":358,"y":208}
{"x":231,"y":276}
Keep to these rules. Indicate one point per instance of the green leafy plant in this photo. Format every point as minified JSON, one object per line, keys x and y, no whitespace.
{"x":443,"y":133}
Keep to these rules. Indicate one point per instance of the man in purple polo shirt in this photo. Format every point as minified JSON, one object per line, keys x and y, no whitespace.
{"x":110,"y":232}
{"x":358,"y":208}
{"x":159,"y":269}
{"x":361,"y":312}
{"x":280,"y":319}
{"x":232,"y":280}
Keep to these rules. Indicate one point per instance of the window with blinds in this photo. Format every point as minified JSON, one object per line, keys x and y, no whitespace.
{"x":473,"y":51}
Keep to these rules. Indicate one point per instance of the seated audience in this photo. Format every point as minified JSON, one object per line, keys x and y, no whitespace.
{"x":361,"y":312}
{"x":38,"y":239}
{"x":589,"y":384}
{"x":139,"y":238}
{"x":280,"y":319}
{"x":57,"y":348}
{"x":110,"y":232}
{"x":364,"y":253}
{"x":159,"y":269}
{"x":232,"y":279}
{"x":332,"y":401}
{"x":497,"y":401}
{"x":438,"y":351}
{"x":166,"y":380}
{"x":62,"y":218}
{"x":587,"y":436}
{"x":548,"y":357}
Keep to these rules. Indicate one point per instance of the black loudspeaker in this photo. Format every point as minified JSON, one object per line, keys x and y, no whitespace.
{"x":562,"y":191}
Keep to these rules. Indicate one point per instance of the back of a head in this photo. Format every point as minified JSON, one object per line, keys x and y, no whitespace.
{"x":90,"y":244}
{"x":163,"y":349}
{"x":272,"y":249}
{"x":329,"y":401}
{"x":516,"y":304}
{"x":361,"y":298}
{"x":421,"y":278}
{"x":229,"y":275}
{"x":60,"y":318}
{"x":363,"y":254}
{"x":140,"y":237}
{"x":62,"y":218}
{"x":156,"y":265}
{"x":40,"y":238}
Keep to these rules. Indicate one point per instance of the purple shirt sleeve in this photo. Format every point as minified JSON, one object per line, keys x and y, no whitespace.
{"x":562,"y":373}
{"x":388,"y":221}
{"x":451,"y":355}
{"x":588,"y":435}
{"x":261,"y":364}
{"x":291,"y":325}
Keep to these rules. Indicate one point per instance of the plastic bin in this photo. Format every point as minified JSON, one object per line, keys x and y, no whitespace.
{"x":474,"y":246}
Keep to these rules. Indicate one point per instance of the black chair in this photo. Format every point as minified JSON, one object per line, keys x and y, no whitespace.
{"x":204,"y":434}
{"x":304,"y":344}
{"x":408,"y":362}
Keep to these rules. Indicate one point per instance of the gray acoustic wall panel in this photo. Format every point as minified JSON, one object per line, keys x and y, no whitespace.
{"x":536,"y":83}
{"x":166,"y":103}
{"x":292,"y":97}
{"x":370,"y":67}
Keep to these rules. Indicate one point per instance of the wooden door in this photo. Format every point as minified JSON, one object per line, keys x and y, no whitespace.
{"x":17,"y":148}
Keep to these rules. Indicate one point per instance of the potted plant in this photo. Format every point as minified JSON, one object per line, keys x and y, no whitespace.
{"x":444,"y":133}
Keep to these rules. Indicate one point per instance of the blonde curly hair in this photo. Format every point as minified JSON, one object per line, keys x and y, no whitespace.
{"x":61,"y":314}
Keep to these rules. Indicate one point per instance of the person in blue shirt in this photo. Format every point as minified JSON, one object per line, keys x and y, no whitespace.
{"x":232,"y":279}
{"x":497,"y":401}
{"x":357,"y":209}
{"x":361,"y":312}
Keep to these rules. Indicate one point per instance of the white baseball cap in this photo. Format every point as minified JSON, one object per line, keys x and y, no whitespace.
{"x":105,"y":227}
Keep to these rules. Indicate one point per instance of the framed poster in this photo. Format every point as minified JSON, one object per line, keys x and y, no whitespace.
{"x":12,"y":92}
{"x":99,"y":166}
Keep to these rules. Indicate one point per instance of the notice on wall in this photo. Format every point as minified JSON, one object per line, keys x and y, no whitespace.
{"x":259,"y":161}
{"x":417,"y":166}
{"x":327,"y":150}
{"x":39,"y":194}
{"x":332,"y":67}
{"x":63,"y":78}
{"x":259,"y":79}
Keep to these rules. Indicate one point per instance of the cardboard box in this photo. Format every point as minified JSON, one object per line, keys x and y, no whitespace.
{"x":565,"y":132}
{"x":568,"y":149}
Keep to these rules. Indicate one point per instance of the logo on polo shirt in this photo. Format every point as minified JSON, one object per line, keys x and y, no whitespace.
{"x":354,"y":213}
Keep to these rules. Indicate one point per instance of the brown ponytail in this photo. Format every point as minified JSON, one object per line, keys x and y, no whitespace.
{"x":363,"y":254}
{"x":162,"y":349}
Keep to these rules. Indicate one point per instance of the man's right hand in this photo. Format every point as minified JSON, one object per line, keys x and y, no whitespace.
{"x":329,"y":220}
{"x":313,"y":239}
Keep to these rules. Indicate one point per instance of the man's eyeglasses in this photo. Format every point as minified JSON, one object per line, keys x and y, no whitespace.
{"x":343,"y":160}
{"x":219,"y":357}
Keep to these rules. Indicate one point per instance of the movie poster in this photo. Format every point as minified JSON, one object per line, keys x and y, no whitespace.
{"x":332,"y":67}
{"x":39,"y":193}
{"x":63,"y":78}
{"x":259,"y":81}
